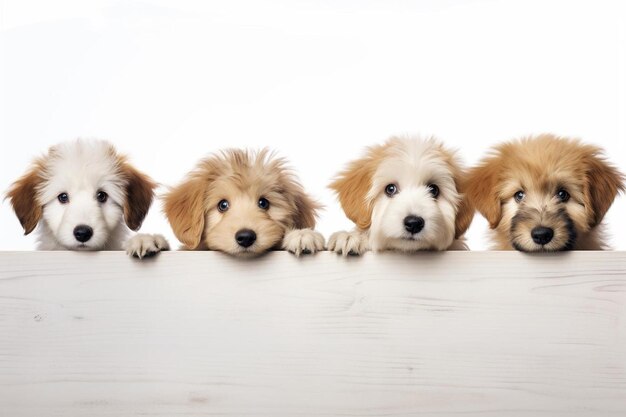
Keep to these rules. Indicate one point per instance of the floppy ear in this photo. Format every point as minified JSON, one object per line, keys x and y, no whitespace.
{"x":23,"y":198}
{"x":306,"y":211}
{"x":139,"y":195}
{"x":464,"y":213}
{"x":353,"y":184}
{"x":603,"y":183}
{"x":185,"y":209}
{"x":481,"y":193}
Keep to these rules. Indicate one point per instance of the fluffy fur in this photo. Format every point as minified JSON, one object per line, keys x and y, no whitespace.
{"x":546,"y":182}
{"x":242,"y":179}
{"x":415,"y":167}
{"x":85,"y":184}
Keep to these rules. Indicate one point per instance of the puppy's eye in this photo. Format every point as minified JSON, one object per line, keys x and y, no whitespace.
{"x":519,"y":196}
{"x":223,"y":205}
{"x":102,"y":197}
{"x":562,"y":195}
{"x":391,"y":189}
{"x":263,"y":203}
{"x":63,"y":198}
{"x":433,"y":190}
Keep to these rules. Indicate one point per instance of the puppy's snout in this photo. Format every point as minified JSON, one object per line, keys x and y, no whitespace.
{"x":245,"y":237}
{"x":413,"y":224}
{"x":542,"y":235}
{"x":83,"y":233}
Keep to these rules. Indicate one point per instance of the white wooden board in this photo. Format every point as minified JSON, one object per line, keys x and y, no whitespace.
{"x":203,"y":334}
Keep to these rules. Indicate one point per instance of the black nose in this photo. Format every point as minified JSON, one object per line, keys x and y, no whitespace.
{"x":542,"y":235}
{"x":413,"y":224}
{"x":83,"y":233}
{"x":245,"y":237}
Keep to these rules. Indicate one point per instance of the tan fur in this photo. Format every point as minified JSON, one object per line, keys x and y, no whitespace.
{"x":242,"y":178}
{"x":540,"y":166}
{"x":353,"y":184}
{"x":465,"y":210}
{"x":23,"y":196}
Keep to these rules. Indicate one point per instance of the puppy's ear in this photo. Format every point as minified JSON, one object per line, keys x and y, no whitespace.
{"x":139,"y":195}
{"x":353,"y":184}
{"x":306,"y":211}
{"x":465,"y":211}
{"x":603,"y":183}
{"x":480,"y":189}
{"x":23,"y":198}
{"x":185,"y":209}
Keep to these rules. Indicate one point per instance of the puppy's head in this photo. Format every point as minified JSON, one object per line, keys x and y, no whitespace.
{"x":543,"y":193}
{"x":407,"y":192}
{"x":81,"y":190}
{"x":238,"y":202}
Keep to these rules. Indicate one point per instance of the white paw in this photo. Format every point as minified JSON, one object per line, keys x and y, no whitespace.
{"x":303,"y":241}
{"x":348,"y":243}
{"x":145,"y":245}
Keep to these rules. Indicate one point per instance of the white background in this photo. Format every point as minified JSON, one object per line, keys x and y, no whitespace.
{"x":170,"y":81}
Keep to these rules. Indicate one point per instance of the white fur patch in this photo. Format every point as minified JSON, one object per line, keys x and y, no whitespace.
{"x":303,"y":241}
{"x":414,"y":164}
{"x":348,"y":243}
{"x":143,"y":244}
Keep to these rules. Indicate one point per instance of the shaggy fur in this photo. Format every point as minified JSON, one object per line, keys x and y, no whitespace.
{"x":415,"y":167}
{"x":545,"y":182}
{"x":61,"y":193}
{"x":238,"y":181}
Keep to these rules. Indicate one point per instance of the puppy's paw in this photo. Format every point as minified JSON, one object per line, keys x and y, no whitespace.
{"x":348,"y":243}
{"x":303,"y":241}
{"x":145,"y":245}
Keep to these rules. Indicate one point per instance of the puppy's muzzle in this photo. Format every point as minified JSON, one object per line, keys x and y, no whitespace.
{"x":83,"y":233}
{"x":542,"y":235}
{"x":245,"y":237}
{"x":413,"y":224}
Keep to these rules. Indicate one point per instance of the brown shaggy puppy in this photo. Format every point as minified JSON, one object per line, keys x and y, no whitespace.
{"x":403,"y":195}
{"x":544,"y":193}
{"x":243,"y":203}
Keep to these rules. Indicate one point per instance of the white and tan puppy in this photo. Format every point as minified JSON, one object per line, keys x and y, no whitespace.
{"x":243,"y":203}
{"x":83,"y":195}
{"x":402,"y":195}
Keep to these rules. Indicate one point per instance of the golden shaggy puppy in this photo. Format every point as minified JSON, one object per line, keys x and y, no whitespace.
{"x":243,"y":203}
{"x":544,"y":194}
{"x":405,"y":195}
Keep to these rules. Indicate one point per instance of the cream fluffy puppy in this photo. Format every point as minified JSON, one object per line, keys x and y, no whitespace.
{"x":402,"y":195}
{"x":83,"y":195}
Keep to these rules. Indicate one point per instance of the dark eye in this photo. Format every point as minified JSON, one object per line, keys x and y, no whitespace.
{"x":562,"y":195}
{"x":223,"y":205}
{"x":434,"y":190}
{"x":519,"y":196}
{"x":63,"y":198}
{"x":263,"y":203}
{"x":102,"y":197}
{"x":391,"y":189}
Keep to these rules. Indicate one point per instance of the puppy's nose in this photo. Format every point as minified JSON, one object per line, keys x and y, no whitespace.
{"x":542,"y":235}
{"x":245,"y":237}
{"x":413,"y":224}
{"x":83,"y":233}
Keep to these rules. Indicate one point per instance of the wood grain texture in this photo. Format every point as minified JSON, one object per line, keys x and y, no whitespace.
{"x":203,"y":334}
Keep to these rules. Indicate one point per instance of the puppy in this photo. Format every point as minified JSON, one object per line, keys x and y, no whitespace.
{"x":544,"y":194}
{"x":85,"y":196}
{"x":243,"y":203}
{"x":403,"y":195}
